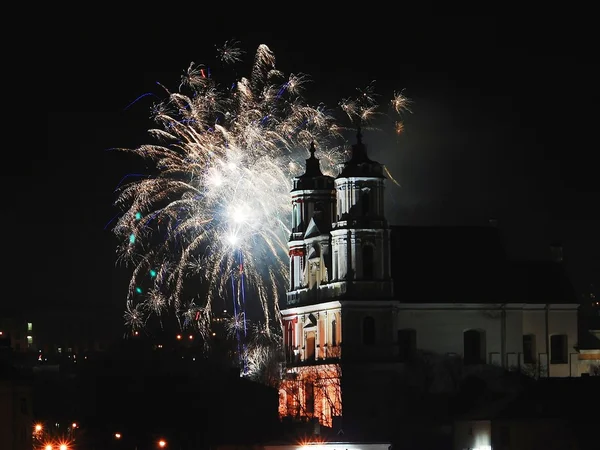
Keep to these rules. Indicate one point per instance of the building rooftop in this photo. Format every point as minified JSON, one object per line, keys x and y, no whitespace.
{"x":468,"y":264}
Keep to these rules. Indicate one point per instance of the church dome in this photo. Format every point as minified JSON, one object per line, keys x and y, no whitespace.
{"x":313,"y":178}
{"x":359,"y":164}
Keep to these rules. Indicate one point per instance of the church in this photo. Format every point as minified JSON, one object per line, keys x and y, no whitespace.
{"x":366,"y":300}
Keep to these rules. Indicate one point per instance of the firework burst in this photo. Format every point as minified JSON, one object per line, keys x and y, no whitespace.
{"x":217,"y":208}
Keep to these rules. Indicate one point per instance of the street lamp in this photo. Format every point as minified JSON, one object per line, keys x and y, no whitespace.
{"x":117,"y":435}
{"x":162,"y":443}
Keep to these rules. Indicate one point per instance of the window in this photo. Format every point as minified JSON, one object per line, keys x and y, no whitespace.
{"x":474,"y":347}
{"x":366,"y":201}
{"x":291,"y":404}
{"x":368,"y":331}
{"x":529,"y":349}
{"x":558,"y":349}
{"x":407,"y":344}
{"x":367,"y":262}
{"x":289,"y":342}
{"x":29,"y":326}
{"x":310,"y":397}
{"x":310,"y":346}
{"x":295,"y":219}
{"x":333,"y":333}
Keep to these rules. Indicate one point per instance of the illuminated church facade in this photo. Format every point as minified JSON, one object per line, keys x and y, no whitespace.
{"x":365,"y":298}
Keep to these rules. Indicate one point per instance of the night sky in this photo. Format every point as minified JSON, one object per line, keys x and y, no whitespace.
{"x":504,"y":110}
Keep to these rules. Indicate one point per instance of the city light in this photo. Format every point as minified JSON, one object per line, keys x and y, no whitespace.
{"x":162,"y":443}
{"x":117,"y":435}
{"x":38,"y":427}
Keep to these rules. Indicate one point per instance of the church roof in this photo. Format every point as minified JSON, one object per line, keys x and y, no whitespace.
{"x":359,"y":164}
{"x":468,"y":264}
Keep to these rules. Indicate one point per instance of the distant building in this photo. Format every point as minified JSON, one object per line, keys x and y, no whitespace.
{"x":550,"y":414}
{"x":366,"y":299}
{"x":18,"y":333}
{"x":52,"y":334}
{"x":16,"y":410}
{"x":589,"y":333}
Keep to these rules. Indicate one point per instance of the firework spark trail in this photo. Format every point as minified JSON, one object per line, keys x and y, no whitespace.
{"x":225,"y":159}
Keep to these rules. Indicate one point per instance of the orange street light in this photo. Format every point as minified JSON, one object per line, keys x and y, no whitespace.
{"x":74,"y":424}
{"x":63,"y":447}
{"x":162,"y":443}
{"x":117,"y":435}
{"x":38,"y":427}
{"x":48,"y":447}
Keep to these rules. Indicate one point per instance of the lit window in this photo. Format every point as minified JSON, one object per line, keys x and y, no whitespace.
{"x":29,"y":340}
{"x":29,"y":326}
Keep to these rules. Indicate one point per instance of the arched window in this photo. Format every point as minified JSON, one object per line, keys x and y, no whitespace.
{"x":289,"y":342}
{"x":333,"y":333}
{"x":407,"y":344}
{"x":559,"y":353}
{"x":336,"y":265}
{"x":310,"y":346}
{"x":366,"y":201}
{"x":309,"y":394}
{"x":368,"y":331}
{"x":474,"y":347}
{"x":367,"y":262}
{"x":295,"y":219}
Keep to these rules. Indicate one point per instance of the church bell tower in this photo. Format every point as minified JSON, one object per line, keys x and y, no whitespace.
{"x":313,"y":211}
{"x":360,"y":236}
